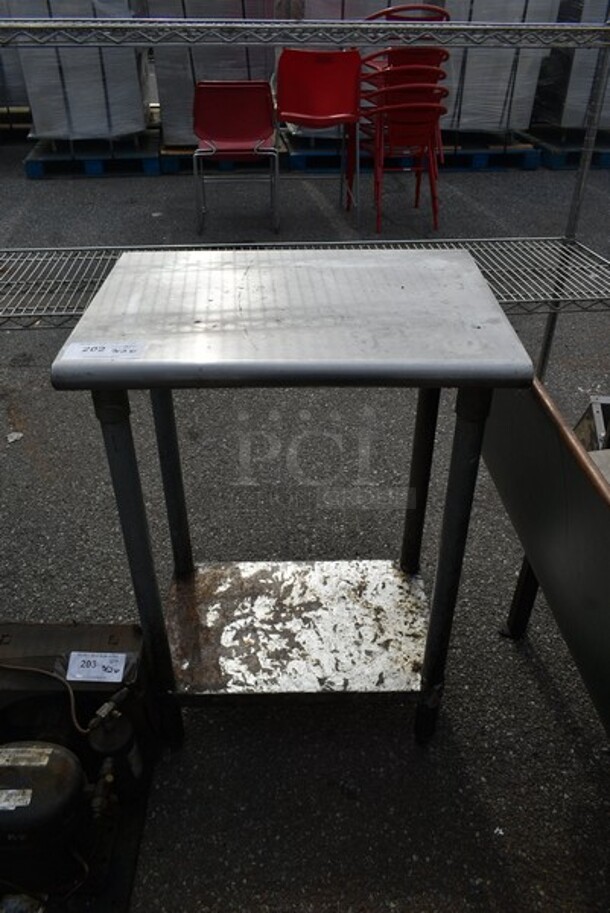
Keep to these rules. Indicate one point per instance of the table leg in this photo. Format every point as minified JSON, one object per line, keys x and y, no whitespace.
{"x":112,"y":410}
{"x":173,"y":486}
{"x":523,"y":602}
{"x":419,"y":478}
{"x":472,"y":408}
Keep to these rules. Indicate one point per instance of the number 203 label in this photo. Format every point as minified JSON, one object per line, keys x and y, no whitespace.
{"x":96,"y":667}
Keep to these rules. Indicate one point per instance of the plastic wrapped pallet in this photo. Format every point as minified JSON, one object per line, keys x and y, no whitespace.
{"x":83,"y":93}
{"x":494,"y":89}
{"x":12,"y":84}
{"x":567,"y":78}
{"x":177,"y":69}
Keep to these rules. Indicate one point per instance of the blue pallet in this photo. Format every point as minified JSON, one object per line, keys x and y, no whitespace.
{"x":176,"y":159}
{"x":325,"y":156}
{"x":562,"y":159}
{"x":561,"y":149}
{"x":492,"y":159}
{"x":179,"y":162}
{"x":179,"y":159}
{"x":94,"y":158}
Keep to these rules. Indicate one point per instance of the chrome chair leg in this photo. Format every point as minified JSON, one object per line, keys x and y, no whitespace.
{"x":350,"y":170}
{"x":275,"y":188}
{"x":357,"y":176}
{"x":200,"y":200}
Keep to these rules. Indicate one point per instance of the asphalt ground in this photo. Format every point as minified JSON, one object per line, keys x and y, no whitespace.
{"x":304,"y":807}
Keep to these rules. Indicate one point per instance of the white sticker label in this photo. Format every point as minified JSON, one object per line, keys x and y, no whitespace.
{"x":105,"y":349}
{"x":25,"y":757}
{"x":96,"y":667}
{"x":10,"y":799}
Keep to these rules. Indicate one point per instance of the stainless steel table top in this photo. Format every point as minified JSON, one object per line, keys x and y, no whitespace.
{"x":288,"y":317}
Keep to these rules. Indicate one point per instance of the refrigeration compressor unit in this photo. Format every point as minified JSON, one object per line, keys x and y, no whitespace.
{"x":78,"y":740}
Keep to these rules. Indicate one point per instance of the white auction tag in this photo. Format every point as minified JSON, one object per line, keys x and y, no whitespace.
{"x":96,"y":667}
{"x":10,"y":799}
{"x":123,"y":349}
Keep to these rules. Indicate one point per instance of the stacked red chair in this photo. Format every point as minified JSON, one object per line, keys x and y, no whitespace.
{"x":401,"y":104}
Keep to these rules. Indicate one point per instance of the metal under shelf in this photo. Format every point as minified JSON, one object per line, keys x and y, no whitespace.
{"x":281,"y":627}
{"x":53,"y":287}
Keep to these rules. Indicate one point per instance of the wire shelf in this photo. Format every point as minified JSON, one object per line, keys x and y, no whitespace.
{"x":148,"y":33}
{"x":528,"y":276}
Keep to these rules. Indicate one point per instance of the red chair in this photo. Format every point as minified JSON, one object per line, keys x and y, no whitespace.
{"x":403,"y":121}
{"x":234,"y":121}
{"x":378,"y":77}
{"x":319,"y":89}
{"x":412,"y":55}
{"x":411,"y":12}
{"x":417,"y":56}
{"x":407,"y":56}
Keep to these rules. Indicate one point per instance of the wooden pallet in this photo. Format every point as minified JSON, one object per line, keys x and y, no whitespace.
{"x":176,"y":159}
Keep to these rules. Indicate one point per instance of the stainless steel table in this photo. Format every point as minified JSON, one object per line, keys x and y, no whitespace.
{"x":282,"y":317}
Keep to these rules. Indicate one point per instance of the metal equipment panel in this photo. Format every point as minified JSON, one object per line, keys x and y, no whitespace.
{"x":559,"y":504}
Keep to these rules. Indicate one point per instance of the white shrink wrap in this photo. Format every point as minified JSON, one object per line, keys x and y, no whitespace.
{"x":581,"y":73}
{"x":83,"y":93}
{"x":12,"y":84}
{"x":494,"y":89}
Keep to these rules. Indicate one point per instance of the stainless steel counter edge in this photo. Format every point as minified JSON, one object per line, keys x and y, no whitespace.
{"x":137,"y":375}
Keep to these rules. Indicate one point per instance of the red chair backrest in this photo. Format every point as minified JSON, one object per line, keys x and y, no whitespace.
{"x":404,"y":92}
{"x":318,"y":87}
{"x":238,"y":111}
{"x":394,"y":76}
{"x":409,"y":55}
{"x":409,"y":113}
{"x":410,"y":12}
{"x":417,"y":56}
